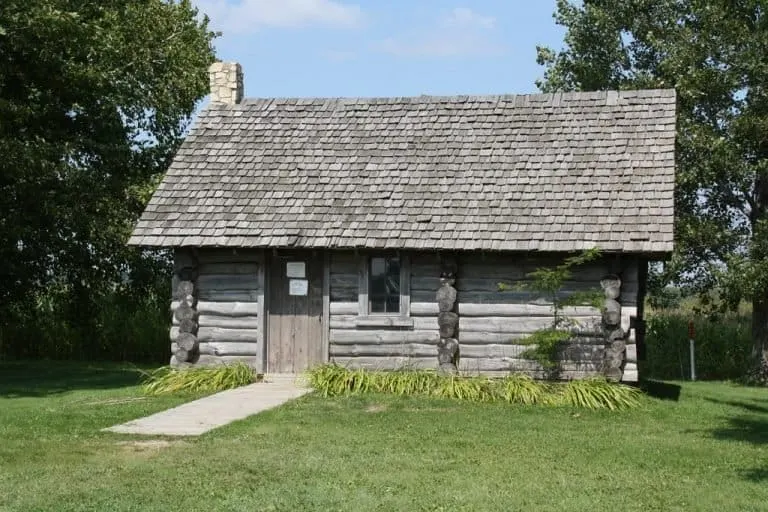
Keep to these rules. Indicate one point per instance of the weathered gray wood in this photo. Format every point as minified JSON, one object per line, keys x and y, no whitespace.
{"x":220,"y":334}
{"x":182,"y":355}
{"x":216,"y":295}
{"x":627,"y":312}
{"x":447,"y":324}
{"x":226,"y":255}
{"x":424,"y":282}
{"x":494,"y":297}
{"x":388,"y":349}
{"x":261,"y":364}
{"x":511,"y":324}
{"x":188,"y":325}
{"x":183,"y":257}
{"x":469,"y":309}
{"x":611,"y":312}
{"x":386,"y":362}
{"x":238,"y":268}
{"x":326,"y":334}
{"x":344,"y":336}
{"x":631,"y":353}
{"x":184,"y":312}
{"x":629,"y":375}
{"x":613,"y":374}
{"x":228,"y":282}
{"x":228,"y":308}
{"x":382,"y":321}
{"x":343,"y":263}
{"x":184,"y":289}
{"x":405,"y":285}
{"x":230,"y":322}
{"x":174,"y":333}
{"x":186,"y":341}
{"x":226,"y":348}
{"x":294,"y":341}
{"x":209,"y":360}
{"x":362,"y":292}
{"x":445,"y":297}
{"x":344,"y":287}
{"x":344,"y":308}
{"x":611,"y":286}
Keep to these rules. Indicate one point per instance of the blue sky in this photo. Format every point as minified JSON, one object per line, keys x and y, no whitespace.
{"x":384,"y":47}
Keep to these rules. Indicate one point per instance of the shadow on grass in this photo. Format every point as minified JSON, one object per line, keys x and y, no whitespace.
{"x":43,"y":378}
{"x":660,"y":389}
{"x":760,"y":409}
{"x":748,"y":429}
{"x":756,"y":474}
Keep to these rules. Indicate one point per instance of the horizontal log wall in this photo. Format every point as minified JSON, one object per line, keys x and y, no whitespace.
{"x":230,"y":307}
{"x":351,"y":343}
{"x":492,"y":322}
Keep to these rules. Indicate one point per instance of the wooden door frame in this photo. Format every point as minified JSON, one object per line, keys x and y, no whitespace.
{"x":268,"y":257}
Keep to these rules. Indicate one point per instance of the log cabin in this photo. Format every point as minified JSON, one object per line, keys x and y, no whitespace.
{"x":375,"y":232}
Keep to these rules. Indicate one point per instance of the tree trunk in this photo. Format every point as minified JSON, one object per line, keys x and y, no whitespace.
{"x":760,"y":328}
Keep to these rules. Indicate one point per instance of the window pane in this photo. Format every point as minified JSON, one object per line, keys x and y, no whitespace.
{"x":384,"y":285}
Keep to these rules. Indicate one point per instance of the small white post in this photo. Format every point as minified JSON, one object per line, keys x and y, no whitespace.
{"x":691,"y":336}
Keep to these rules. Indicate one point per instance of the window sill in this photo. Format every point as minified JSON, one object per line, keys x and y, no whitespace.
{"x":383,"y":321}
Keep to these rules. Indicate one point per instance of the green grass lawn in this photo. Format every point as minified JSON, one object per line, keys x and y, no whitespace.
{"x":706,"y":451}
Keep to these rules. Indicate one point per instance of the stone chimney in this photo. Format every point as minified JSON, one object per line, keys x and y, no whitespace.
{"x":226,"y":82}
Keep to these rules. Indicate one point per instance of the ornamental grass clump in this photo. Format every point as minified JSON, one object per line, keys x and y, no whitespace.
{"x":334,"y":380}
{"x":167,"y":380}
{"x":522,"y":389}
{"x":598,"y":393}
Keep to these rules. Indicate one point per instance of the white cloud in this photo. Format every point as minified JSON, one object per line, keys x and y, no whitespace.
{"x":458,"y":33}
{"x":243,"y":16}
{"x":464,"y":17}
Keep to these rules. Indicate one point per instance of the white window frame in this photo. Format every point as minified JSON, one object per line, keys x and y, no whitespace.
{"x":365,"y":317}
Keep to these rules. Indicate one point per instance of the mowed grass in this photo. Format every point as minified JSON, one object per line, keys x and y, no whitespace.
{"x":706,"y":451}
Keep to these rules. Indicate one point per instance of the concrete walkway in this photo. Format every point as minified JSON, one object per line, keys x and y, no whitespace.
{"x":200,"y":416}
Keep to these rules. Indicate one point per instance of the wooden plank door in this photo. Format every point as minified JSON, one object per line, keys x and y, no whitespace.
{"x":295,"y":337}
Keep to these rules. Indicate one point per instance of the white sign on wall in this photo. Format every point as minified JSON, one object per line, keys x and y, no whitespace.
{"x":295,"y":269}
{"x":298,"y":287}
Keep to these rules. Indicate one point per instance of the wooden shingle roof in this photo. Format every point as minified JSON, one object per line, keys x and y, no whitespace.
{"x":550,"y":172}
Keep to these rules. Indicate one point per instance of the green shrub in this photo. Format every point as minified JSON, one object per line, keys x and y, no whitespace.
{"x":333,"y":380}
{"x":723,"y":346}
{"x":166,"y":380}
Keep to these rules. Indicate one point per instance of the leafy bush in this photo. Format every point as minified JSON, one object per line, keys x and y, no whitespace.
{"x":124,"y":326}
{"x":333,"y":380}
{"x":167,"y":380}
{"x":723,"y":346}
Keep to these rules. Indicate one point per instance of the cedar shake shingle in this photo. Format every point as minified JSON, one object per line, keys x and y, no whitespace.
{"x":563,"y":171}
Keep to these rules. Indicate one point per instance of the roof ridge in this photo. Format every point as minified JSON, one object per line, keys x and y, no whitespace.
{"x":594,"y":95}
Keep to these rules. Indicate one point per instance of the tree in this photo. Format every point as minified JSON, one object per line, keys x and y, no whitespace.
{"x":713,"y":52}
{"x":94,"y":99}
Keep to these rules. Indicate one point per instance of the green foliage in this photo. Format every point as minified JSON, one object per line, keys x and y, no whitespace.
{"x":521,"y":389}
{"x":95,"y":98}
{"x":713,"y":54}
{"x":545,"y":344}
{"x":597,"y":393}
{"x":333,"y":380}
{"x":166,"y":380}
{"x":723,"y":346}
{"x":125,"y":327}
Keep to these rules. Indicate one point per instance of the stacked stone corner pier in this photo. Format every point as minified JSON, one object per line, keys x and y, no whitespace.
{"x":448,"y":318}
{"x":615,"y":335}
{"x":185,"y":293}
